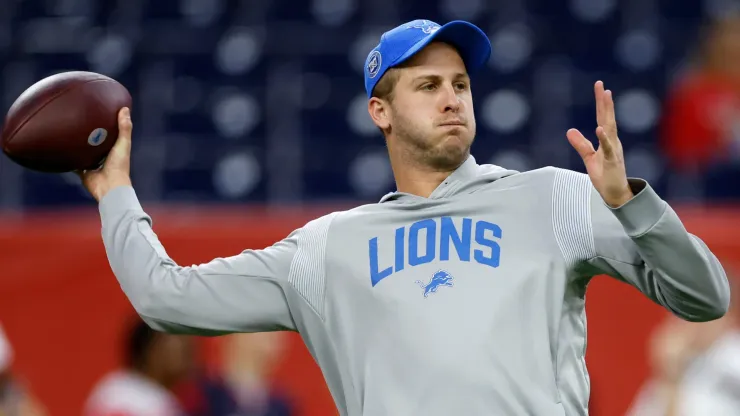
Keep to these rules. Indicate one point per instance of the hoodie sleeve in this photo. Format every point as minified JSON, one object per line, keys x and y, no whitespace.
{"x":246,"y":292}
{"x":642,"y":243}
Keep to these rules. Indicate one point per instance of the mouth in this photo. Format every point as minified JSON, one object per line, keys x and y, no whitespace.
{"x":453,"y":123}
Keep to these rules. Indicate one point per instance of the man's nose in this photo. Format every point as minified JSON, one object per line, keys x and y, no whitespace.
{"x":449,"y":100}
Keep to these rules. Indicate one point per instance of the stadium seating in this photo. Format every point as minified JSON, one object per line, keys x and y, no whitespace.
{"x":258,"y":101}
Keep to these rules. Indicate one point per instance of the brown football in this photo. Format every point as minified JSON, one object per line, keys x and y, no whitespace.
{"x":65,"y":122}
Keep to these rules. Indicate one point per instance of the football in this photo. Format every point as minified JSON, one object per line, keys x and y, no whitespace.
{"x":65,"y":122}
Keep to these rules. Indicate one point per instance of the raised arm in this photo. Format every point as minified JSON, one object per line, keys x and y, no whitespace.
{"x":625,"y":230}
{"x":241,"y":293}
{"x":643,"y":243}
{"x":249,"y":292}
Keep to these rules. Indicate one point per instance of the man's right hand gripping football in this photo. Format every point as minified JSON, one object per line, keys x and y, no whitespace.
{"x":116,"y":170}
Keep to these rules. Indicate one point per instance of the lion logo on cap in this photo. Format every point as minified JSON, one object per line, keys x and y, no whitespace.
{"x":425,"y":25}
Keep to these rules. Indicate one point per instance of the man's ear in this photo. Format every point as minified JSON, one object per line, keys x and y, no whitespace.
{"x":378,"y":110}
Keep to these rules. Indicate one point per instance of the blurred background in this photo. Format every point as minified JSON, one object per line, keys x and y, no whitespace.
{"x":250,"y":119}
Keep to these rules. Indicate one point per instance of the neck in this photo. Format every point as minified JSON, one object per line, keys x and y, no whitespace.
{"x":248,"y":374}
{"x":154,"y":376}
{"x":416,"y":178}
{"x":5,"y":382}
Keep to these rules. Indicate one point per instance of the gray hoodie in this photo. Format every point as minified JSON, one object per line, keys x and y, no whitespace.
{"x":469,"y":302}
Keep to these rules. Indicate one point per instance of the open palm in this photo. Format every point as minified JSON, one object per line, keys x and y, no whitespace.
{"x":604,"y":166}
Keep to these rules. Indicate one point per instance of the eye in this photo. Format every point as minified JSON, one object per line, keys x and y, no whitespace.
{"x":428,"y":87}
{"x":462,"y":86}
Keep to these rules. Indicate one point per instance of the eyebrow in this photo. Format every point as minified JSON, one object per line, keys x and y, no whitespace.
{"x":432,"y":77}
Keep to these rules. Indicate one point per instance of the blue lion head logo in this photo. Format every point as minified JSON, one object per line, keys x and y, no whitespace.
{"x":426,"y":26}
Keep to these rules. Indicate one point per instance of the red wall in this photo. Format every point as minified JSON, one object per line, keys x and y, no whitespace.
{"x":63,"y":310}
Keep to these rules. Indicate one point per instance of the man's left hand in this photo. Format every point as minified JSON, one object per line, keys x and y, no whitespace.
{"x":605,"y":166}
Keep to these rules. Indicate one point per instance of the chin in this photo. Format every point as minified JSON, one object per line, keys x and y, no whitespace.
{"x":456,"y":140}
{"x":451,"y":153}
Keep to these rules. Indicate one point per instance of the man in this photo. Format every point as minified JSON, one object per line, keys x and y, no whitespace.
{"x":695,"y":367}
{"x":240,"y":386}
{"x":155,"y":364}
{"x":700,"y":134}
{"x":463,"y":292}
{"x":699,"y":128}
{"x":16,"y":398}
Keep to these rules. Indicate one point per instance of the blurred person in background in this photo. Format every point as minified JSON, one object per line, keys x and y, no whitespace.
{"x":695,"y":367}
{"x":15,"y":400}
{"x":700,"y":135}
{"x":242,"y":384}
{"x":155,"y":364}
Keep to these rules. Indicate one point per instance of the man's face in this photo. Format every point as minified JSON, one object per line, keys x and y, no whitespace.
{"x":431,"y":113}
{"x":174,"y":355}
{"x":724,"y":47}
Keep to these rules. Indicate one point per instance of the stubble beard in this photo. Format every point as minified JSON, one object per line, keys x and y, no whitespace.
{"x":443,"y":155}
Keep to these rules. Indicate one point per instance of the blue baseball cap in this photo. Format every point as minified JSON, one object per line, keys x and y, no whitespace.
{"x":403,"y":41}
